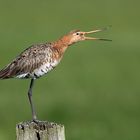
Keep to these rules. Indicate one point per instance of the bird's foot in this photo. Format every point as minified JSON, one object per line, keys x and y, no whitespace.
{"x":36,"y":121}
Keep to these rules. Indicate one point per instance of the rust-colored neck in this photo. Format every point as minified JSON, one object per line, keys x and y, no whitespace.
{"x":62,"y":44}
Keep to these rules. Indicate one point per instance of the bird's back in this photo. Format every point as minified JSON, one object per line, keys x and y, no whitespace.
{"x":33,"y":62}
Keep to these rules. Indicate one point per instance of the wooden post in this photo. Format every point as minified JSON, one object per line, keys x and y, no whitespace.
{"x":40,"y":130}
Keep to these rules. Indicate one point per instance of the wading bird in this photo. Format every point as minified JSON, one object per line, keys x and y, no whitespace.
{"x":39,"y":59}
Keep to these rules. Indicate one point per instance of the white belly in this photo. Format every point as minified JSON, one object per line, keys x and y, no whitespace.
{"x":44,"y":69}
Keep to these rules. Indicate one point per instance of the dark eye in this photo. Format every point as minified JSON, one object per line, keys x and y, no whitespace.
{"x":77,"y":33}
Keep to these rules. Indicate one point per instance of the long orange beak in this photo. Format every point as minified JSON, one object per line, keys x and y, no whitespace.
{"x":95,"y":31}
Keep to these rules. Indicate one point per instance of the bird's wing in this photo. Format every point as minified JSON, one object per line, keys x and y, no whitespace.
{"x":27,"y":61}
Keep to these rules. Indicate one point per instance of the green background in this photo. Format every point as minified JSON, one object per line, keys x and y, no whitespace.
{"x":95,"y":90}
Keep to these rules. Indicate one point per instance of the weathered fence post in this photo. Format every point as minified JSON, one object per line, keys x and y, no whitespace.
{"x":41,"y":130}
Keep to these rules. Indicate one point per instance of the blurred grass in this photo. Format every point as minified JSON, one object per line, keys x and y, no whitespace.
{"x":95,"y":91}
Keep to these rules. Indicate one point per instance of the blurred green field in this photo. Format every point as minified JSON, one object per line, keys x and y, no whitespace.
{"x":95,"y":91}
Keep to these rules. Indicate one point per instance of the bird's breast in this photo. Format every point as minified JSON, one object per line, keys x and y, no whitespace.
{"x":45,"y":68}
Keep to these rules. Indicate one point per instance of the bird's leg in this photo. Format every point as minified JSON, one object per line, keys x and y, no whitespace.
{"x":30,"y":100}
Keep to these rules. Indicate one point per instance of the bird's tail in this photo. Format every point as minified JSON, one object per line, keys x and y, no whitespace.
{"x":5,"y":73}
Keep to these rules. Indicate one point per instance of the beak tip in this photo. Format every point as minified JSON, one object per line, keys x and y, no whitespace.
{"x":103,"y":39}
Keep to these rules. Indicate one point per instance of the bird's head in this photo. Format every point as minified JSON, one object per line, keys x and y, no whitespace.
{"x":77,"y":35}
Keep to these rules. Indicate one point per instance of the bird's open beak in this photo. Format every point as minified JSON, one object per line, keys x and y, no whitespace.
{"x":95,"y":31}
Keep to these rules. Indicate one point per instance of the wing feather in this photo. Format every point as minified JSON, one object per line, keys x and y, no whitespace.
{"x":29,"y":60}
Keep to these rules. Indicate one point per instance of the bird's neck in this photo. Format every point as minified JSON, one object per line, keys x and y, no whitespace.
{"x":62,"y":44}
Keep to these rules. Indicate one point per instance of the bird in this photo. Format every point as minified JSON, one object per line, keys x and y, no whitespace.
{"x":37,"y":60}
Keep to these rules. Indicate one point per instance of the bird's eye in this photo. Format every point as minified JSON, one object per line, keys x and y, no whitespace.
{"x":77,"y":33}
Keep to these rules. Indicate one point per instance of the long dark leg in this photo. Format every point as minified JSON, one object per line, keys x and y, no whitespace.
{"x":30,"y":100}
